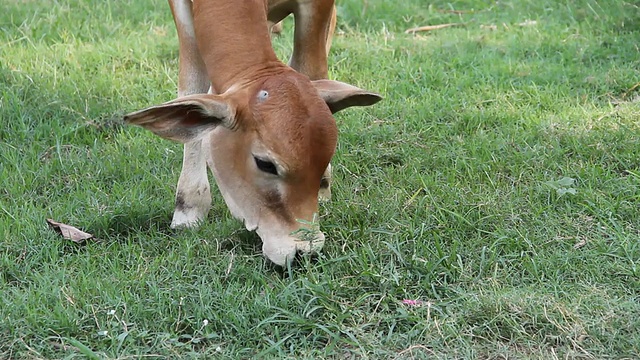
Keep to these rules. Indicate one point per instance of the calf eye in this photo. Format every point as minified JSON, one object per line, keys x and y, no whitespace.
{"x":266,"y":166}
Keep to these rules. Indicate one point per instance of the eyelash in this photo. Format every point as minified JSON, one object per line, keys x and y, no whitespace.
{"x":266,"y":166}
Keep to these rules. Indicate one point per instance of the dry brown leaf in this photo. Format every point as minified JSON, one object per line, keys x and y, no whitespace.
{"x":69,"y":232}
{"x":431,"y":27}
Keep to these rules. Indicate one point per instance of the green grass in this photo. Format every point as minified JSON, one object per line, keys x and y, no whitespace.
{"x":450,"y":192}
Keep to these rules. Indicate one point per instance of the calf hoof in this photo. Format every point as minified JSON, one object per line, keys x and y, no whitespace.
{"x":187,"y":219}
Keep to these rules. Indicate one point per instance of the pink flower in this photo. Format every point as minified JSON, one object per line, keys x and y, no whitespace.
{"x":412,"y":302}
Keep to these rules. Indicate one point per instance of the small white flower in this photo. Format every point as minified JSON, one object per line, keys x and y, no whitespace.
{"x":103,"y":333}
{"x":111,"y":312}
{"x":218,"y":349}
{"x":205,"y":322}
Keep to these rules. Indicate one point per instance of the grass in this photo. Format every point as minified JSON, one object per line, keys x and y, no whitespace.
{"x":498,"y":185}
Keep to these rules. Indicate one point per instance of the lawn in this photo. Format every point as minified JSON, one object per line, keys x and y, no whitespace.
{"x":488,"y":207}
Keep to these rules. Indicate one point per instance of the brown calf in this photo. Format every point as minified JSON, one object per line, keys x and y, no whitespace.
{"x":266,"y":131}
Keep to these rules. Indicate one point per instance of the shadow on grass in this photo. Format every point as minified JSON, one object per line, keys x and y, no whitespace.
{"x":136,"y":223}
{"x":131,"y":222}
{"x":244,"y":241}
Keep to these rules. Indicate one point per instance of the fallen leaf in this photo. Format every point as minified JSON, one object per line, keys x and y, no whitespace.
{"x":431,"y":27}
{"x":563,"y":186}
{"x":69,"y":232}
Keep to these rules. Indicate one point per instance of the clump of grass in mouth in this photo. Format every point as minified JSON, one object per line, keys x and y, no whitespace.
{"x":309,"y":229}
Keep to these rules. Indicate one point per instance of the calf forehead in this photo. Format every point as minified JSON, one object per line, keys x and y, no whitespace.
{"x":289,"y":93}
{"x":294,"y":121}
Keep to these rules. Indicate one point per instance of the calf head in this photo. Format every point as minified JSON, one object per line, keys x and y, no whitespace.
{"x":269,"y":141}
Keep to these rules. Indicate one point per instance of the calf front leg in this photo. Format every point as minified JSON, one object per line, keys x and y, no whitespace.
{"x":193,"y":194}
{"x":315,"y":23}
{"x":314,"y":28}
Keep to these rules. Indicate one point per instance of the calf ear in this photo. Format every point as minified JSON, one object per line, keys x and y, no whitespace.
{"x":186,"y":118}
{"x":339,"y":95}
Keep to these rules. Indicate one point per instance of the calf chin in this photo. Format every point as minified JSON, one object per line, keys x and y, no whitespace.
{"x":281,"y":250}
